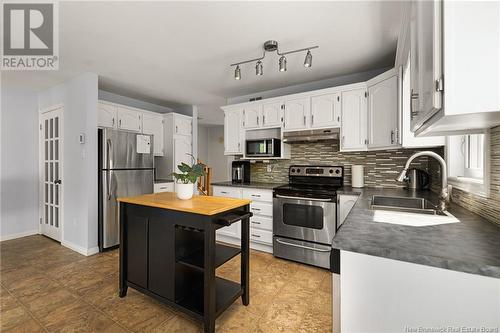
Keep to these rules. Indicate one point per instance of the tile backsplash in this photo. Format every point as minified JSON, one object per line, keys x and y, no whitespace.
{"x":381,"y":167}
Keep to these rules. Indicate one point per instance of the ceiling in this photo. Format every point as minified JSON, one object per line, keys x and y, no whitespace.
{"x":178,"y":53}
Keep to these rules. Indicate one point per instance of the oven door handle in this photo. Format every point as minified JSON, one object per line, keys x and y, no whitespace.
{"x":302,"y":246}
{"x":302,"y":198}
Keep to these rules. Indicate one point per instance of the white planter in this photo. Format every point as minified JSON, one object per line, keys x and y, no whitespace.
{"x":184,"y":191}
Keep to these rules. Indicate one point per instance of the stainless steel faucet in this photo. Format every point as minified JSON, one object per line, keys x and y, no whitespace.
{"x":444,"y":196}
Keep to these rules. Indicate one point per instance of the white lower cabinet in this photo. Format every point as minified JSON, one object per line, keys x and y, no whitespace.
{"x":345,"y":202}
{"x":261,"y":224}
{"x":163,"y":187}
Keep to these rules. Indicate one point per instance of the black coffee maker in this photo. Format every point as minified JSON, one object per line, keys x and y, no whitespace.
{"x":240,"y":171}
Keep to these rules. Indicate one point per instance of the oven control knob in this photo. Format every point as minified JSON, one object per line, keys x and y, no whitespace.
{"x":331,"y":170}
{"x":298,"y":170}
{"x":293,"y":170}
{"x":337,"y":171}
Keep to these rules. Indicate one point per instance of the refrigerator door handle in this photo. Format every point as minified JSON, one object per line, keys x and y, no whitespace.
{"x":108,"y":157}
{"x":108,"y":192}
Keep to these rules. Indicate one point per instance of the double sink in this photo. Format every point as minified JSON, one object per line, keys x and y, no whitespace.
{"x":417,"y":212}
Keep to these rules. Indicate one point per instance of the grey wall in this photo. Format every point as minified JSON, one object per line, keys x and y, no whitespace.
{"x":124,"y":100}
{"x":336,"y":81}
{"x":19,"y":164}
{"x":79,"y":99}
{"x":211,"y":151}
{"x":488,"y":208}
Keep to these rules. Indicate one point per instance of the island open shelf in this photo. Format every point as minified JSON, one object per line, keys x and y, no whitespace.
{"x":168,"y":251}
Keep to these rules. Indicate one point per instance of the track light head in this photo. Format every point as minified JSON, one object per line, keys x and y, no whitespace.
{"x":258,"y":68}
{"x":282,"y":64}
{"x":308,"y":60}
{"x":237,"y":73}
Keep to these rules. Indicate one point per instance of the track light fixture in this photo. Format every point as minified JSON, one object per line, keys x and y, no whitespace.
{"x":237,"y":73}
{"x":308,"y":60}
{"x":271,"y":46}
{"x":258,"y":68}
{"x":282,"y":64}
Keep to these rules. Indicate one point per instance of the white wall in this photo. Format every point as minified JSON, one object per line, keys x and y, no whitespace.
{"x":19,"y":164}
{"x":79,"y":99}
{"x":203,"y":143}
{"x":211,"y":151}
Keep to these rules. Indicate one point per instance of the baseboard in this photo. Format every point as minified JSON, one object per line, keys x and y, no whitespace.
{"x":253,"y":245}
{"x":80,"y":249}
{"x":19,"y":235}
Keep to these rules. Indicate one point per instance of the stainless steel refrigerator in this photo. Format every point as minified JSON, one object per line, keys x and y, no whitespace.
{"x":126,"y":168}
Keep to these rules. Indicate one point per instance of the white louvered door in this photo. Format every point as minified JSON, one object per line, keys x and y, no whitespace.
{"x":51,"y":148}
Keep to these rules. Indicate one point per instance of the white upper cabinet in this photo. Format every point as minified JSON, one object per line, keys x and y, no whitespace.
{"x":454,"y":67}
{"x":326,"y":110}
{"x":427,"y":43}
{"x":153,"y":124}
{"x":129,"y":119}
{"x":183,"y":125}
{"x":383,"y":113}
{"x":272,"y":114}
{"x":252,"y":116}
{"x":354,"y":120}
{"x":233,"y":132}
{"x":296,"y":114}
{"x":107,"y":115}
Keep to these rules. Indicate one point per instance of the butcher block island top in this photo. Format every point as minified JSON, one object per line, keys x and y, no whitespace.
{"x":199,"y":204}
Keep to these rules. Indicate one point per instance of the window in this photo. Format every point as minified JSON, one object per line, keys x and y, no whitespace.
{"x":468,"y":162}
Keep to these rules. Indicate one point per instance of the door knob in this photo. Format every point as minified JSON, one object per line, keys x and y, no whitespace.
{"x":58,"y":181}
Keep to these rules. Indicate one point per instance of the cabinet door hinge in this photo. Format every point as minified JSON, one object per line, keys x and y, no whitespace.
{"x":440,"y":84}
{"x":40,"y":127}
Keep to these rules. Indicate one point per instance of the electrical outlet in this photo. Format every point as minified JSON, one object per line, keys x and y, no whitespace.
{"x":269,"y":168}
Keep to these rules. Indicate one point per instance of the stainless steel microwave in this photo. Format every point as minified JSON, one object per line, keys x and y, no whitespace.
{"x":263,"y":148}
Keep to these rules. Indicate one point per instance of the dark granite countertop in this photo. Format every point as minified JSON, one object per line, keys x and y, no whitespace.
{"x":261,"y":185}
{"x":471,"y":245}
{"x":159,"y":181}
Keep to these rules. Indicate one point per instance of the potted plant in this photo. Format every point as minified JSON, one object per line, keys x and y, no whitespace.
{"x":186,"y":179}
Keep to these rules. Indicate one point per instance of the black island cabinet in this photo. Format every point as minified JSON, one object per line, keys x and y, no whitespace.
{"x":168,"y":251}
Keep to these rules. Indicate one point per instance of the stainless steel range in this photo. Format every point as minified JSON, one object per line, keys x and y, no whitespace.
{"x":305,"y":214}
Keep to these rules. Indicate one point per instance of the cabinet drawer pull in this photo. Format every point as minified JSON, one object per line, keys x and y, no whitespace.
{"x":254,"y":222}
{"x":392,"y":137}
{"x":224,"y":192}
{"x":256,"y":195}
{"x":257,"y":236}
{"x":257,"y":209}
{"x":163,"y":188}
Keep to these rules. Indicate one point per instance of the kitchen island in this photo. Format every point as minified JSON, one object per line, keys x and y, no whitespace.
{"x":168,"y":251}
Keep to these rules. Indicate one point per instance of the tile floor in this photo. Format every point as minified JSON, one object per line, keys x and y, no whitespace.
{"x":48,"y":288}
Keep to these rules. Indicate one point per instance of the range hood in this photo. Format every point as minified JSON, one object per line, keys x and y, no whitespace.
{"x":329,"y":134}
